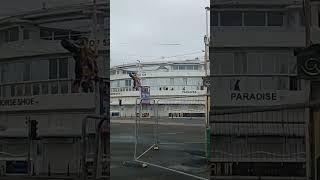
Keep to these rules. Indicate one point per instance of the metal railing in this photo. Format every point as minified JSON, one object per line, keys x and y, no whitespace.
{"x":32,"y":88}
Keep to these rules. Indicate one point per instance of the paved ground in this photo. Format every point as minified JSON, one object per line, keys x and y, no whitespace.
{"x":181,"y":148}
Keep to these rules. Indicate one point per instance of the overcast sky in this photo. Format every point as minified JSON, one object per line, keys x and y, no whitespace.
{"x":139,"y":27}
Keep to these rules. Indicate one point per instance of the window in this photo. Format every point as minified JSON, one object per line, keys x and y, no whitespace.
{"x":26,"y":71}
{"x":35,"y":89}
{"x":54,"y":88}
{"x":282,"y":83}
{"x":182,"y":67}
{"x":185,"y":81}
{"x":214,"y":19}
{"x":64,"y":87}
{"x":12,"y":34}
{"x":63,"y":68}
{"x":45,"y":34}
{"x":53,"y":69}
{"x":254,"y":64}
{"x":240,"y":62}
{"x":175,"y":67}
{"x":230,"y":18}
{"x":128,"y":83}
{"x":44,"y":88}
{"x":189,"y":67}
{"x":275,"y":18}
{"x":13,"y":92}
{"x":171,"y":81}
{"x":26,"y":34}
{"x":268,"y":62}
{"x":19,"y":90}
{"x":27,"y":89}
{"x":295,"y":84}
{"x":196,"y":67}
{"x":254,"y":18}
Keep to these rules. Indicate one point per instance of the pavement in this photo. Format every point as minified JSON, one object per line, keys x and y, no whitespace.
{"x":181,"y":153}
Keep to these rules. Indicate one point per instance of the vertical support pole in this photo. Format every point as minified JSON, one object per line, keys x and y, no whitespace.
{"x":307,"y":10}
{"x":136,"y":132}
{"x":84,"y":149}
{"x":206,"y":60}
{"x":307,"y":139}
{"x":29,"y":144}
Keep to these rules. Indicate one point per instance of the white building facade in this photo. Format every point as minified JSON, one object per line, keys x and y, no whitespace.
{"x":175,"y":87}
{"x":253,"y":68}
{"x":36,"y":74}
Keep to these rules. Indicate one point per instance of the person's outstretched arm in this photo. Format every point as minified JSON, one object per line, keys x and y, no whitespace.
{"x":70,"y":46}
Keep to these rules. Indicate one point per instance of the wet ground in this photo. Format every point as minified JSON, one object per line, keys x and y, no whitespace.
{"x":181,"y":148}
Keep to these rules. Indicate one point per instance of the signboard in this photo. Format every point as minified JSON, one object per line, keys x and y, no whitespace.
{"x":145,"y":94}
{"x":257,"y":98}
{"x":206,"y":81}
{"x":308,"y":62}
{"x":14,"y":102}
{"x":258,"y":169}
{"x":49,"y":102}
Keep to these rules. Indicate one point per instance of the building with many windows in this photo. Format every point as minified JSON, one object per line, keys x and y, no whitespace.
{"x":254,"y":132}
{"x":175,"y":85}
{"x":36,"y":75}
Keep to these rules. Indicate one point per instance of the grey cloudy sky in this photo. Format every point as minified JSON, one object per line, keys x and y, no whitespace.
{"x":139,"y":27}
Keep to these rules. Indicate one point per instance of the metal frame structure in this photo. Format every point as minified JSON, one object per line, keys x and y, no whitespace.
{"x":84,"y":145}
{"x":156,"y":143}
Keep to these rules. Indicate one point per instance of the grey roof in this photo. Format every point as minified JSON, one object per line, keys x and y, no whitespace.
{"x":154,"y":63}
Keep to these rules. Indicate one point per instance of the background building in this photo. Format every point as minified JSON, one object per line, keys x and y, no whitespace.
{"x":36,"y":74}
{"x":166,"y":80}
{"x":253,"y":68}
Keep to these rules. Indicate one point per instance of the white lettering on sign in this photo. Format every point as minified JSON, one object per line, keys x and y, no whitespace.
{"x":254,"y":96}
{"x":18,"y":102}
{"x":222,"y":169}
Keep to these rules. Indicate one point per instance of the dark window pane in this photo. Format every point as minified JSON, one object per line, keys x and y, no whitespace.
{"x":44,"y":34}
{"x":14,"y":34}
{"x":13,"y":92}
{"x":64,"y":87}
{"x":275,"y":18}
{"x":26,"y":72}
{"x":36,"y":89}
{"x":54,"y":88}
{"x":63,"y":68}
{"x":53,"y":69}
{"x":27,"y":89}
{"x":254,"y":19}
{"x":44,"y":88}
{"x":19,"y":90}
{"x":230,"y":18}
{"x":214,"y":19}
{"x":26,"y":34}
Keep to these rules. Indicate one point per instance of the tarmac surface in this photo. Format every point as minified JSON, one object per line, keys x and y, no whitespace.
{"x":181,"y":148}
